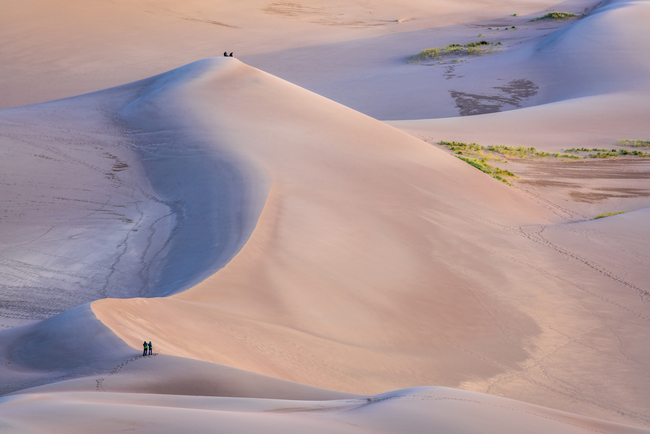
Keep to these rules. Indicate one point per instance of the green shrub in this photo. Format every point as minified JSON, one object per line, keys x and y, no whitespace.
{"x":608,"y":214}
{"x":471,"y":49}
{"x":555,"y":15}
{"x":507,"y":151}
{"x":638,"y":143}
{"x":490,"y":170}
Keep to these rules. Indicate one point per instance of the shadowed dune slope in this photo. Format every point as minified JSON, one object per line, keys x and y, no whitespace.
{"x":104,"y":198}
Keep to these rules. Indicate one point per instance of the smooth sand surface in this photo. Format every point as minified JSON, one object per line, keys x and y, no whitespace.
{"x":435,"y":409}
{"x":59,"y":48}
{"x":294,"y":260}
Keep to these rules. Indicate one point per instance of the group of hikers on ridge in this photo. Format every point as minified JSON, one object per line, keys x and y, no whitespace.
{"x":147,"y":346}
{"x":225,"y":54}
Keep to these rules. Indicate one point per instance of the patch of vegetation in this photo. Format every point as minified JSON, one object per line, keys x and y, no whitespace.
{"x":555,"y":15}
{"x":462,"y":147}
{"x":471,"y":49}
{"x":608,"y":214}
{"x":507,"y":151}
{"x":634,"y":143}
{"x":523,"y":152}
{"x":481,"y":165}
{"x":621,"y":152}
{"x":576,"y":150}
{"x":608,"y":153}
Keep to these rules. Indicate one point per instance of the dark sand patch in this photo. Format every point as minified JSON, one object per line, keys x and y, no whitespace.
{"x":513,"y":94}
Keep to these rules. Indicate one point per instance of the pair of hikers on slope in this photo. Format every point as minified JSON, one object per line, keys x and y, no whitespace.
{"x":146,"y":346}
{"x":225,"y":54}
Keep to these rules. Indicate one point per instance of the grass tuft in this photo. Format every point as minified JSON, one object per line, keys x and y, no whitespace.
{"x":555,"y":15}
{"x":608,"y":153}
{"x":608,"y":214}
{"x":471,"y":49}
{"x":481,"y":165}
{"x":507,"y":151}
{"x":638,"y":143}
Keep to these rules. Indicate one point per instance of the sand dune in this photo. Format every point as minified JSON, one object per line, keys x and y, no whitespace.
{"x":56,"y":49}
{"x":312,"y":216}
{"x":327,"y":313}
{"x":298,"y":264}
{"x":319,"y":291}
{"x":99,"y":176}
{"x":537,"y":63}
{"x":406,"y":411}
{"x":589,"y":71}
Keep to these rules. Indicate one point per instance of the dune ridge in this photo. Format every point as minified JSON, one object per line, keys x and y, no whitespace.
{"x":274,"y":335}
{"x":327,"y":314}
{"x":301,"y":266}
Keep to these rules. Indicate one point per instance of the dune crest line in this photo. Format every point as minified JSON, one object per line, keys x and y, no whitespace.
{"x":214,"y":195}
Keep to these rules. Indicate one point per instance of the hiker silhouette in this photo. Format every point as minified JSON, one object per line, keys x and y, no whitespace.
{"x":150,"y":348}
{"x":230,"y":54}
{"x":225,"y":54}
{"x":144,"y":353}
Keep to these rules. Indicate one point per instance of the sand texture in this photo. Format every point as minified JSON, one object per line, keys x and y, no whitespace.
{"x":287,"y":230}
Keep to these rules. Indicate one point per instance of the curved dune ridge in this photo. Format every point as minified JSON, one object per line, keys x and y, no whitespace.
{"x":301,"y":266}
{"x":317,"y":294}
{"x":338,"y":288}
{"x":336,"y":241}
{"x":140,"y":181}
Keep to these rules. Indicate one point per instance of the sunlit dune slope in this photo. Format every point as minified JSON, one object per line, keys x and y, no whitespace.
{"x":356,"y":259}
{"x":379,"y":262}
